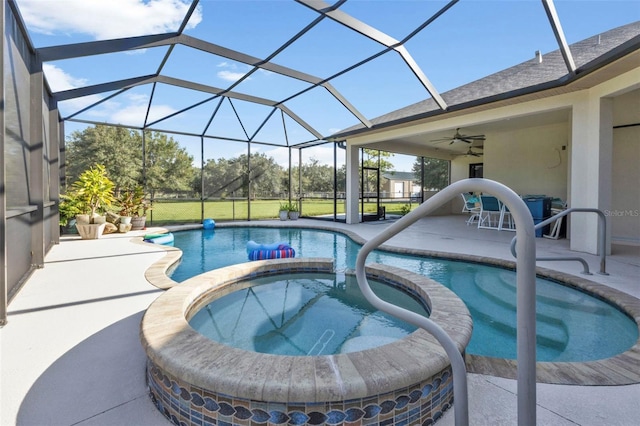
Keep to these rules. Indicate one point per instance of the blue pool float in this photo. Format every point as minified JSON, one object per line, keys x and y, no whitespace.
{"x":164,"y":239}
{"x":280,"y":250}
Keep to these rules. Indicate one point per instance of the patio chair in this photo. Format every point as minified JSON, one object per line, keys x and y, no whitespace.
{"x":469,"y":206}
{"x":490,"y":212}
{"x":506,"y":220}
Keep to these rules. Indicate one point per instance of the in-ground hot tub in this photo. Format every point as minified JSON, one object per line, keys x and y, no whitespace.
{"x":195,"y":380}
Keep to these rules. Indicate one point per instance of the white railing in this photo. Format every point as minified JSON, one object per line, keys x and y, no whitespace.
{"x":602,"y":241}
{"x":526,"y":291}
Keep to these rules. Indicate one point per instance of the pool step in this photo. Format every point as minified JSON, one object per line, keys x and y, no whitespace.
{"x":504,"y":294}
{"x":551,"y":307}
{"x":549,"y":332}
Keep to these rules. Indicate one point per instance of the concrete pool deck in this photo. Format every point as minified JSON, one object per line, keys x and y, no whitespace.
{"x":70,"y":353}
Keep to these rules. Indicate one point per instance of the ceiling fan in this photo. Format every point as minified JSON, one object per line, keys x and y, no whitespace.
{"x":470,"y":152}
{"x":458,"y":137}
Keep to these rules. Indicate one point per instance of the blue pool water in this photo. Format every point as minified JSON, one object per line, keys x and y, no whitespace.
{"x":571,"y":326}
{"x":304,"y":314}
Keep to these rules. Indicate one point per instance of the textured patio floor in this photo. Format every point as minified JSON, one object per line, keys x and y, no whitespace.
{"x":70,"y":353}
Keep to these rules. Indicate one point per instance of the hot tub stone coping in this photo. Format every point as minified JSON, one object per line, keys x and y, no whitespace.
{"x":592,"y":373}
{"x":174,"y":347}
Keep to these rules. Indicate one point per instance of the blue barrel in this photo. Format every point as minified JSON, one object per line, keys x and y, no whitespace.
{"x":540,"y":208}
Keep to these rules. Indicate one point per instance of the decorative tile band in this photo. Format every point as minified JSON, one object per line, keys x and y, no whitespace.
{"x":185,"y":404}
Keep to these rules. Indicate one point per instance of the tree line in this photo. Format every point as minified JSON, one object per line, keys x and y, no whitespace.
{"x":165,"y":168}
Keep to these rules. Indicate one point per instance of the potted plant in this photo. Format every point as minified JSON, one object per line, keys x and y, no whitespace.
{"x":68,"y":208}
{"x":130,"y":202}
{"x":134,"y":205}
{"x":284,"y":211}
{"x":294,"y":211}
{"x":94,"y":191}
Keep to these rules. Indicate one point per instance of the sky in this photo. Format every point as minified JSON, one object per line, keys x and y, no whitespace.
{"x":471,"y":40}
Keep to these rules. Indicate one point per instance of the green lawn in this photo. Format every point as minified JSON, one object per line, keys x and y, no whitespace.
{"x":165,"y":212}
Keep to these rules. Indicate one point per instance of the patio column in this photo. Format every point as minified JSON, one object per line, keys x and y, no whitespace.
{"x":591,"y":167}
{"x":353,"y":180}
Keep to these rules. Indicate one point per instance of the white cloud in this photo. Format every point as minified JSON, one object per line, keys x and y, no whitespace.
{"x":324,"y":154}
{"x":104,"y":111}
{"x":130,"y":112}
{"x":230,"y":75}
{"x":266,"y":73}
{"x":134,"y":111}
{"x":106,"y":19}
{"x":134,"y":114}
{"x":281,"y":156}
{"x":60,"y":80}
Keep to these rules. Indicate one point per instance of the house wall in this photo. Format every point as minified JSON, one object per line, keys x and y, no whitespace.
{"x":595,"y":178}
{"x":529,"y":160}
{"x":624,"y":215}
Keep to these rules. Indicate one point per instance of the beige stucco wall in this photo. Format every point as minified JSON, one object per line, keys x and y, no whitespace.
{"x":529,"y":160}
{"x":624,"y":215}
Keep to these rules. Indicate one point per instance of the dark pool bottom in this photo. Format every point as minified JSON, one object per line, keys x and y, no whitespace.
{"x":194,"y":380}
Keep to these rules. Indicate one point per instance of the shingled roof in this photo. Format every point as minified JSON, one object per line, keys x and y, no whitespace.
{"x":528,"y":77}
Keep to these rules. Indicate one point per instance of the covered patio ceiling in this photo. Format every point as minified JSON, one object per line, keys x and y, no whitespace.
{"x":290,"y":73}
{"x":442,"y":144}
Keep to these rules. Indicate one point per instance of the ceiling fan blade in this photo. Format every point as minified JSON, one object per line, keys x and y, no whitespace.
{"x":458,"y":137}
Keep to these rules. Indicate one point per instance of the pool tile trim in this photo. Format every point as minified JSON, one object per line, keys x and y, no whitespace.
{"x":619,"y":370}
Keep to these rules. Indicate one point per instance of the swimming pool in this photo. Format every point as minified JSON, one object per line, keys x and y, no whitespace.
{"x":572,"y":325}
{"x":305,"y":314}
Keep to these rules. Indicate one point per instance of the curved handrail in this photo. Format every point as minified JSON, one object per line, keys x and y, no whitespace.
{"x":602,"y":233}
{"x":525,"y":275}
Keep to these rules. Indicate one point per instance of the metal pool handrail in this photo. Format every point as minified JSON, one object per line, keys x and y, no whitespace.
{"x":525,"y":276}
{"x":602,"y":242}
